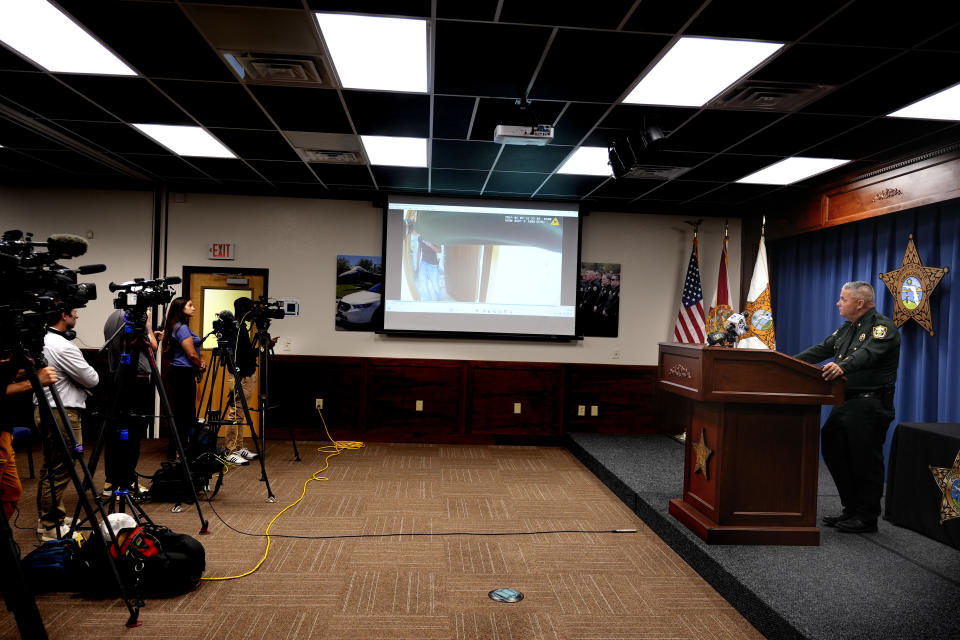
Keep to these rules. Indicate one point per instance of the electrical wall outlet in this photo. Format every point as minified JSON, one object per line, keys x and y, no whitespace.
{"x":319,"y":404}
{"x":419,"y":405}
{"x":581,"y":410}
{"x":516,"y":407}
{"x":615,"y":355}
{"x":594,"y":410}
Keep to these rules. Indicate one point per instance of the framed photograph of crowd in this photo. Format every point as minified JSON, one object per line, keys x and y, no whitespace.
{"x":598,"y":299}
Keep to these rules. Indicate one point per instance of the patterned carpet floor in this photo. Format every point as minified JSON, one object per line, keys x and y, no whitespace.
{"x":332,"y":583}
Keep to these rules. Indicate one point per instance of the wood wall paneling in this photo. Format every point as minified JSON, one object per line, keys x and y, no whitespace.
{"x":516,"y":398}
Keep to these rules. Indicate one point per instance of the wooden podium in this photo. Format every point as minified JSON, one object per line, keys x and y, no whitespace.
{"x":752,"y":442}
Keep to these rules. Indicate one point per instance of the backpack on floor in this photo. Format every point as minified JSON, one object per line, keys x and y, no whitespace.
{"x":56,"y":565}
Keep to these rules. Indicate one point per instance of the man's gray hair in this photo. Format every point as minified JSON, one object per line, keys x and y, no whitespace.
{"x":862,"y":290}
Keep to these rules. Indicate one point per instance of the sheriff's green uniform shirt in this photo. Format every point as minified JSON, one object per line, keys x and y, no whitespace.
{"x":867,"y":350}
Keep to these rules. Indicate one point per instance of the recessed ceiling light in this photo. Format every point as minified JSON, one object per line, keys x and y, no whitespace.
{"x":396,"y":152}
{"x":45,"y":35}
{"x":587,"y":161}
{"x":943,"y":105}
{"x":695,"y":70}
{"x":389,"y":54}
{"x":792,"y":170}
{"x":186,"y":140}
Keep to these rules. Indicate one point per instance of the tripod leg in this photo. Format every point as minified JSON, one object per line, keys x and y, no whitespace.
{"x":165,"y":405}
{"x":16,"y":594}
{"x":48,"y":422}
{"x":238,"y":391}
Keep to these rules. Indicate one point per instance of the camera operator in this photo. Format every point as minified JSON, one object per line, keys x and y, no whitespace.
{"x":181,"y":349}
{"x":245,"y":358}
{"x":75,"y":376}
{"x":10,"y":487}
{"x":122,"y":446}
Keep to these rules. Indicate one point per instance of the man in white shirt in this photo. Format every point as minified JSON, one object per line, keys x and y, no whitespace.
{"x":75,"y":376}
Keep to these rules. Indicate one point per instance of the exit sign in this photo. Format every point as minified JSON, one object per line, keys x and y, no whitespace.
{"x":221,"y":250}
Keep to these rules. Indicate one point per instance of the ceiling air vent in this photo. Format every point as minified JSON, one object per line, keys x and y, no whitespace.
{"x":331,"y":156}
{"x":269,"y":68}
{"x":770,"y":96}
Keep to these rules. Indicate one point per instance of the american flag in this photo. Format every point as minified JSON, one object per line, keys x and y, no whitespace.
{"x":691,"y":323}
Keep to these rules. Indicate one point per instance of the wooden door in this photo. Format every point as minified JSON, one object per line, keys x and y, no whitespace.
{"x":211,"y":293}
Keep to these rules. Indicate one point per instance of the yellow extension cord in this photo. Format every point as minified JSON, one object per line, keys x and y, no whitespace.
{"x":335,"y":449}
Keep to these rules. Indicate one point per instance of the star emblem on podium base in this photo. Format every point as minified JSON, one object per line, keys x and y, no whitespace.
{"x":703,"y":453}
{"x":948,"y":480}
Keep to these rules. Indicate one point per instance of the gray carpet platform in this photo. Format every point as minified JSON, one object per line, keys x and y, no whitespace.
{"x":895,"y":583}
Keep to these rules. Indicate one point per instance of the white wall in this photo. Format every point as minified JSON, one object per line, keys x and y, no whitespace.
{"x":298,"y":240}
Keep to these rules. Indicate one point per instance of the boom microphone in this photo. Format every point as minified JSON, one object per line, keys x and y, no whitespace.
{"x":91,"y":268}
{"x":172,"y":280}
{"x":66,"y":245}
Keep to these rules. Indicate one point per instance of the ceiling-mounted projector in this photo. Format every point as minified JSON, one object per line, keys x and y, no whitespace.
{"x":539,"y":134}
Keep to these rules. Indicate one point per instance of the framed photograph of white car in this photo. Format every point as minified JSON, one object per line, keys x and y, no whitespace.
{"x":359,"y":293}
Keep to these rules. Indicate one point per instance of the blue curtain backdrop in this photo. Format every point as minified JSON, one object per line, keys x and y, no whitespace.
{"x":807,"y":272}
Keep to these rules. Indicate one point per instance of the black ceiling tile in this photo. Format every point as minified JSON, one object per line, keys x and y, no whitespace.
{"x":467,"y":9}
{"x":662,"y":16}
{"x":401,"y":177}
{"x":343,"y":174}
{"x":872,"y":93}
{"x":462,"y":154}
{"x":861,"y":23}
{"x":216,"y":104}
{"x":168,"y":166}
{"x":515,"y":182}
{"x":937,"y":139}
{"x":16,"y":136}
{"x":494,"y":60}
{"x":795,"y":133}
{"x":409,"y":8}
{"x":570,"y":185}
{"x":115,"y":137}
{"x":531,"y":159}
{"x":384,"y":113}
{"x":664,"y":158}
{"x":157,"y":39}
{"x":875,"y":136}
{"x":576,"y":121}
{"x":625,"y":188}
{"x":717,"y":130}
{"x":130,"y":99}
{"x":602,"y":15}
{"x":759,"y":20}
{"x":735,"y":193}
{"x":681,"y":190}
{"x":273,"y":4}
{"x":822,"y":64}
{"x":257,"y":145}
{"x":491,"y":112}
{"x":451,"y":116}
{"x":633,"y":117}
{"x":46,"y":96}
{"x":276,"y":171}
{"x":606,"y":63}
{"x":457,"y":179}
{"x":948,"y":40}
{"x":224,"y":168}
{"x":73,"y":162}
{"x":22,"y":162}
{"x":10,"y":61}
{"x":728,"y":167}
{"x":302,"y":109}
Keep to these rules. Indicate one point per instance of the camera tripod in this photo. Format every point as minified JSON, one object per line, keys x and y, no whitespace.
{"x":264,"y":345}
{"x":222,"y":361}
{"x":62,"y":443}
{"x":132,"y":334}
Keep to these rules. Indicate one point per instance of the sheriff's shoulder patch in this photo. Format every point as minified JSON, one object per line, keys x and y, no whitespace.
{"x":879,"y":332}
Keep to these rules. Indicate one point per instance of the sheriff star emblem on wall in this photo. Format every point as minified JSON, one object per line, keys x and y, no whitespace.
{"x":911,"y":286}
{"x":949,"y":482}
{"x":703,"y":453}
